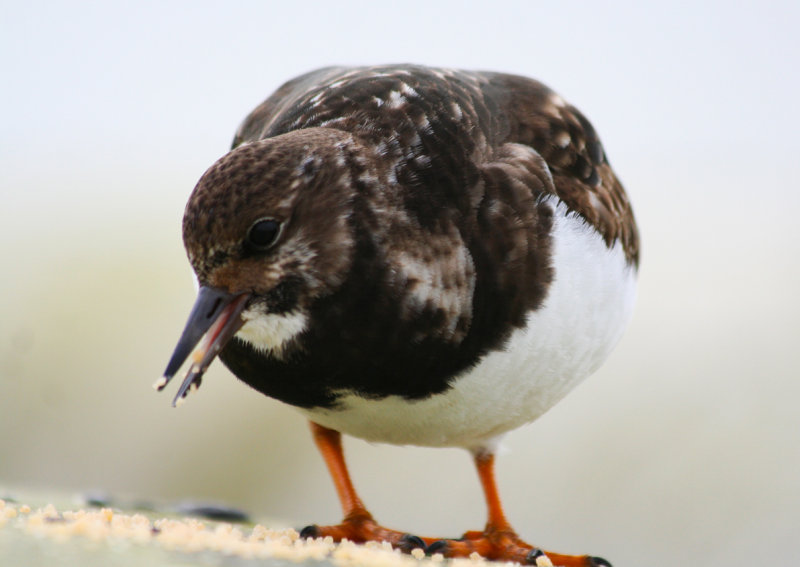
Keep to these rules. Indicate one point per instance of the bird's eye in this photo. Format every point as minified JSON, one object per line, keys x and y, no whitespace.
{"x":263,"y":233}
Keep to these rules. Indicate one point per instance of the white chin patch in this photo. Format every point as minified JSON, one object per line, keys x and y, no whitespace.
{"x":271,"y":332}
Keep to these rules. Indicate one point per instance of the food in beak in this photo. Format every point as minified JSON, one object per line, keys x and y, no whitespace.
{"x":215,"y":318}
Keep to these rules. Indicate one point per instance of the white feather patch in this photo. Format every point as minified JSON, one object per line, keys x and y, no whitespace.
{"x":271,"y":332}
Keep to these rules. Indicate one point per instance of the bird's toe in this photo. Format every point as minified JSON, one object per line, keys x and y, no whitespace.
{"x":438,"y":546}
{"x":310,"y":532}
{"x":409,"y":542}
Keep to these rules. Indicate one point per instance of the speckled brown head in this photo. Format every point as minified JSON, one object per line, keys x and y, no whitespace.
{"x":274,"y":211}
{"x":266,"y":231}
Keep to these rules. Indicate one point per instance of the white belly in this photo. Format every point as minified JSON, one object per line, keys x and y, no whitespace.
{"x":583,"y":317}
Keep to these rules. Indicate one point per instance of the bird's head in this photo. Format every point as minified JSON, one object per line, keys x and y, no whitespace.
{"x":267,"y":233}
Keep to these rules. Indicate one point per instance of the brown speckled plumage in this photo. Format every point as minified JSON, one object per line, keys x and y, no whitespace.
{"x":477,"y":112}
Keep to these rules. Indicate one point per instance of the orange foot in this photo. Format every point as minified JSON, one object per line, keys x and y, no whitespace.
{"x":493,"y":544}
{"x":360,"y":527}
{"x":506,"y":545}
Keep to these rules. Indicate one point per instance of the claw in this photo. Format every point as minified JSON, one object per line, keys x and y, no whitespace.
{"x":439,"y":546}
{"x":410,"y":542}
{"x":310,"y":532}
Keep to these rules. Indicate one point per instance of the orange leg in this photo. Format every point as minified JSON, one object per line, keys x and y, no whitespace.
{"x":329,"y":443}
{"x":358,"y":524}
{"x":497,"y":541}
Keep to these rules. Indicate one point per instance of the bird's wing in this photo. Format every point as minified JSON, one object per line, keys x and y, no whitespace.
{"x":537,"y":117}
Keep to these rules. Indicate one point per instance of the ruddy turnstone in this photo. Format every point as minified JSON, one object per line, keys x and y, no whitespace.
{"x":411,"y":255}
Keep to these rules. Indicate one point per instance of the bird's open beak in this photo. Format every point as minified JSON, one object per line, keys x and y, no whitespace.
{"x":217,"y":315}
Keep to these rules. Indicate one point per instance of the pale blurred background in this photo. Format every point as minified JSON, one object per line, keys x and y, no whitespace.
{"x":683,"y":449}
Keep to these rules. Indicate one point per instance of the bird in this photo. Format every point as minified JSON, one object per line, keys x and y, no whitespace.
{"x":411,"y":255}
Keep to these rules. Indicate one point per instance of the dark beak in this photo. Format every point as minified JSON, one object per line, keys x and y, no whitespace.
{"x":217,"y":315}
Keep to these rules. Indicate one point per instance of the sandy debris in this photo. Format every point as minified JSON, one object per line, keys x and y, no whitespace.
{"x":190,"y":535}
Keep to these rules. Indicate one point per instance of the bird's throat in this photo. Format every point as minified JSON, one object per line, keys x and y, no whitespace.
{"x":270,"y":332}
